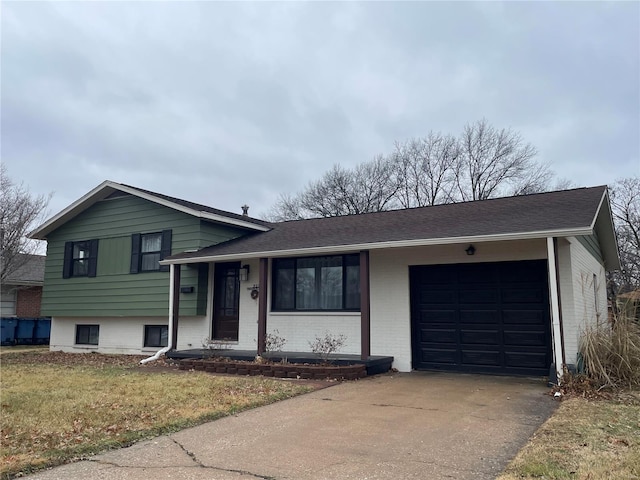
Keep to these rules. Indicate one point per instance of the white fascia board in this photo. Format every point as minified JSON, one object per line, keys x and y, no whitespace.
{"x":107,"y":187}
{"x":608,"y":241}
{"x":74,"y":209}
{"x":381,"y":245}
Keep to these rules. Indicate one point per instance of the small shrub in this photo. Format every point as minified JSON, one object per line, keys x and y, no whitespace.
{"x":611,"y":353}
{"x":211,"y":344}
{"x":323,"y":347}
{"x":274,"y":342}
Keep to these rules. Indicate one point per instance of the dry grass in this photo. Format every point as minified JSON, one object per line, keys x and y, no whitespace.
{"x":611,"y":353}
{"x":584,"y":440}
{"x":57,"y":407}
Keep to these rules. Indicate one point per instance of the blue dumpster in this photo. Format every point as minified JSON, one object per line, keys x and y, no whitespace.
{"x":8,"y":330}
{"x":42,"y":331}
{"x":25,"y":331}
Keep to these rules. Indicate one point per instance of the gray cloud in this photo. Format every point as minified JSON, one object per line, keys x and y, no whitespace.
{"x":227,"y":103}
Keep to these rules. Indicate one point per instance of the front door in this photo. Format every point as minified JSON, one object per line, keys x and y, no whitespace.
{"x":226,"y":301}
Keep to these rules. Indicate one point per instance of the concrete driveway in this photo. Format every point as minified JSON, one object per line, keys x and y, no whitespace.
{"x":401,"y":426}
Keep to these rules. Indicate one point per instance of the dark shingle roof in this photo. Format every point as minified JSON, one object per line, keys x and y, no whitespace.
{"x":544,"y":212}
{"x":200,"y":207}
{"x":31,"y":272}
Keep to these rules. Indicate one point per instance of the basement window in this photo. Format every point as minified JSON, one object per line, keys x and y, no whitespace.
{"x":87,"y":334}
{"x":156,"y":335}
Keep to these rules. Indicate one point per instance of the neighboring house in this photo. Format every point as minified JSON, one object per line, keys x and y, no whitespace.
{"x":21,"y":293}
{"x":499,"y":286}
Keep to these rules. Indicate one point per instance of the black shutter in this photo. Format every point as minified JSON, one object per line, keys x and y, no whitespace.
{"x":166,"y":249}
{"x":68,"y":259}
{"x":93,"y":258}
{"x":135,"y":253}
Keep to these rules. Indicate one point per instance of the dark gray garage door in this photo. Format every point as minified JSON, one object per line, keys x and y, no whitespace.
{"x":481,"y":317}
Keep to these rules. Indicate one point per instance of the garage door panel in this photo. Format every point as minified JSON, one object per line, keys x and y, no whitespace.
{"x":479,"y":297}
{"x":523,"y":317}
{"x":437,"y":296}
{"x":522,"y":295}
{"x":477,"y":274}
{"x":483,"y":317}
{"x":479,"y":317}
{"x":440,"y":356}
{"x":438,"y":316}
{"x":438,"y":336}
{"x":480,"y":337}
{"x":481,"y":358}
{"x":524,"y":338}
{"x":526,"y":360}
{"x":439,"y":275}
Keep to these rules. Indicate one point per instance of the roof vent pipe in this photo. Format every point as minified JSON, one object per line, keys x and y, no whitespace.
{"x":245,"y":210}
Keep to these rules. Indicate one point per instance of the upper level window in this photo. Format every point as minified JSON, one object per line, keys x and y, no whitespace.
{"x":317,"y":283}
{"x":80,"y":259}
{"x":148,"y":249}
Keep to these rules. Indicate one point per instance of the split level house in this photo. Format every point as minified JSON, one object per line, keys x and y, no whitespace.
{"x":499,"y":286}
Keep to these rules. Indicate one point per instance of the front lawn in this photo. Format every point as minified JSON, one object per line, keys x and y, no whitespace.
{"x":57,"y":407}
{"x":584,"y":440}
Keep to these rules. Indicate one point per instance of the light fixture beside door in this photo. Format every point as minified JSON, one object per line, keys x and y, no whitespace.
{"x":244,"y":273}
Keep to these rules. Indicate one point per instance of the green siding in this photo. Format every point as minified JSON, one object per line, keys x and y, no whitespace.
{"x":592,"y":244}
{"x":210,"y":234}
{"x":114,"y":255}
{"x":203,"y":281}
{"x":114,"y":291}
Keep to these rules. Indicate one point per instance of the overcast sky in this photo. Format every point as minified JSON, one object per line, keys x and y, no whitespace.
{"x":232,"y":103}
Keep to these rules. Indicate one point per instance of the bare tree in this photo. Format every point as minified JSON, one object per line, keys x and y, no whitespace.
{"x":496,"y":162}
{"x":426,"y":169}
{"x":481,"y":163}
{"x":369,"y":187}
{"x":19,"y":213}
{"x":625,"y":205}
{"x":286,"y":208}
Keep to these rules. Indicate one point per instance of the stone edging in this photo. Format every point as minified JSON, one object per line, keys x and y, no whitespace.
{"x":280,"y":370}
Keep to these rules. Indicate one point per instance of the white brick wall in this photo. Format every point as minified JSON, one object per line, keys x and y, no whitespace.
{"x":390,"y":308}
{"x":578,"y":288}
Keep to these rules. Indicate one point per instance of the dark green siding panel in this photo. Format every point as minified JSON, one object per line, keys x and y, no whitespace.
{"x":113,"y":255}
{"x":203,"y":282}
{"x":114,"y":291}
{"x":212,"y":233}
{"x":592,"y":244}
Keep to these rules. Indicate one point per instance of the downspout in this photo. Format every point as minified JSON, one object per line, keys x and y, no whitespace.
{"x":558,"y":353}
{"x":164,"y":350}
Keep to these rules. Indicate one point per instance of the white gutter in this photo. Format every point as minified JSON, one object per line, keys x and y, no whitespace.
{"x":164,"y":350}
{"x":379,"y":245}
{"x":555,"y":310}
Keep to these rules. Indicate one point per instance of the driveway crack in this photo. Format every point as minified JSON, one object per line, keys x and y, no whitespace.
{"x":230,"y":470}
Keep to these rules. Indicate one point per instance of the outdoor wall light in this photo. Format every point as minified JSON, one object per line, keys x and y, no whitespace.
{"x":244,"y":273}
{"x":470,"y":250}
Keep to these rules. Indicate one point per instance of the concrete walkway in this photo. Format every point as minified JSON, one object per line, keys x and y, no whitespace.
{"x":402,"y":426}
